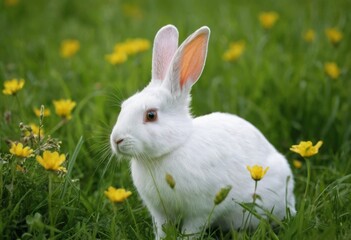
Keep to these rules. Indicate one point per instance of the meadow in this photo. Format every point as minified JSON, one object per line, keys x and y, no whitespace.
{"x":288,"y":74}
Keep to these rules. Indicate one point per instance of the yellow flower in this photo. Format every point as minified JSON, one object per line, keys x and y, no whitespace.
{"x":46,"y":112}
{"x":18,"y":150}
{"x":268,"y":19}
{"x":297,"y":164}
{"x":69,"y":47}
{"x":64,"y":107}
{"x":235,"y":50}
{"x":116,"y":57}
{"x":132,"y":46}
{"x":309,"y":35}
{"x":35,"y":130}
{"x":332,"y":70}
{"x":257,"y":172}
{"x":124,"y":49}
{"x":52,"y":161}
{"x":305,"y":149}
{"x":334,"y":35}
{"x":11,"y":87}
{"x":11,"y":3}
{"x":117,"y":194}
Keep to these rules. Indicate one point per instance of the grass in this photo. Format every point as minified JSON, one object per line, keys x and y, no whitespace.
{"x":279,"y":84}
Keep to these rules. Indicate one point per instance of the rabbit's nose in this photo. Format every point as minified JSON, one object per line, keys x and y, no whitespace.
{"x":118,"y":141}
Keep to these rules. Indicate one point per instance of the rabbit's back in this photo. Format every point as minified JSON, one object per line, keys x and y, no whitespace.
{"x":229,"y":134}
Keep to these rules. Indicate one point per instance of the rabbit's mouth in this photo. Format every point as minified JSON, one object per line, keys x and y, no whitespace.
{"x":124,"y":146}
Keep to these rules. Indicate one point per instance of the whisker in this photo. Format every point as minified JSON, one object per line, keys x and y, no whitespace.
{"x":115,"y":98}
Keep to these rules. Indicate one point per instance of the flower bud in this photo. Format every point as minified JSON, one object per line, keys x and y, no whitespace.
{"x":222,"y":194}
{"x":170,"y":180}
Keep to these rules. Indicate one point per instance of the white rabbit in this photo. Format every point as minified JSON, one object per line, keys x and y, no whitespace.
{"x":204,"y":154}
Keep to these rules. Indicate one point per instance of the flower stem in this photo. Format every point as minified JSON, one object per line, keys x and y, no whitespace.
{"x":50,"y":207}
{"x":249,"y":217}
{"x":208,"y":223}
{"x":19,"y":107}
{"x":308,"y":166}
{"x":12,"y":186}
{"x":1,"y":178}
{"x":113,"y":222}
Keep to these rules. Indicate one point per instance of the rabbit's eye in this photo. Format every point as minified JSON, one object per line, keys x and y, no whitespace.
{"x":151,"y":115}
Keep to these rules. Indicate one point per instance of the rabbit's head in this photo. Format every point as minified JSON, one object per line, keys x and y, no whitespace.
{"x":157,"y":120}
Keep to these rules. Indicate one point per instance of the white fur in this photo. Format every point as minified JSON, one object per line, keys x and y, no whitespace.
{"x":203,"y":154}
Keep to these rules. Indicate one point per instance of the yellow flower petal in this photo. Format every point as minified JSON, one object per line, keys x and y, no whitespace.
{"x":306,"y":149}
{"x":40,"y":160}
{"x":334,"y":35}
{"x":52,"y":161}
{"x":268,"y":19}
{"x":332,"y":70}
{"x":257,"y":172}
{"x":64,"y":107}
{"x":11,"y":87}
{"x":18,"y":150}
{"x":69,"y":48}
{"x":117,"y":195}
{"x":116,"y":57}
{"x":235,"y":50}
{"x":46,"y":112}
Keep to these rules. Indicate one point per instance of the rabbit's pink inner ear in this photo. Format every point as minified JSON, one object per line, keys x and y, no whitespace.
{"x":193,"y":59}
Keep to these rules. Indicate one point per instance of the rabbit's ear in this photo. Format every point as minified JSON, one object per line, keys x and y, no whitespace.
{"x":188,"y":62}
{"x":165,"y":46}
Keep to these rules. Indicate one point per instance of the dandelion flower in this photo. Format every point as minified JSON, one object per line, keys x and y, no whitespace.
{"x":116,"y":57}
{"x":46,"y":112}
{"x":129,"y":47}
{"x":332,"y":70}
{"x":11,"y":87}
{"x":334,"y":35}
{"x":235,"y":50}
{"x":306,"y":149}
{"x":309,"y":36}
{"x":69,"y":48}
{"x":64,"y":107}
{"x":268,"y":19}
{"x":257,"y":172}
{"x":17,"y":149}
{"x":52,"y":161}
{"x":117,"y":195}
{"x":133,"y":46}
